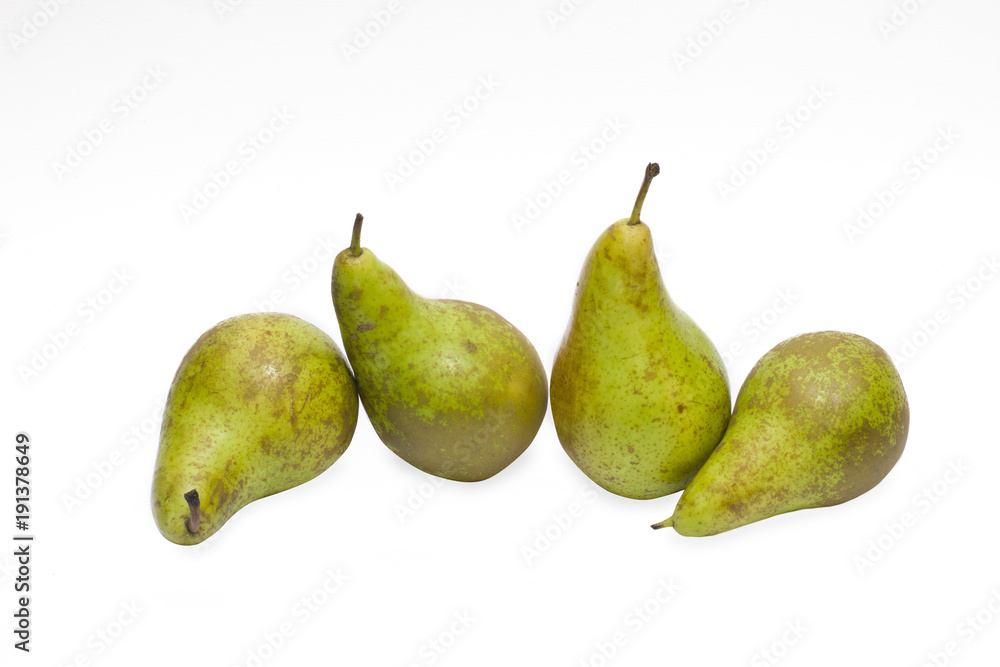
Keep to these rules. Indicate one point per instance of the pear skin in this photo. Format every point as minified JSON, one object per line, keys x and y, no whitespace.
{"x":821,"y":419}
{"x":260,"y":403}
{"x":640,"y":396}
{"x":450,"y":386}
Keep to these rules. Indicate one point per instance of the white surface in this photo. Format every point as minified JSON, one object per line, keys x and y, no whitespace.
{"x":448,"y":230}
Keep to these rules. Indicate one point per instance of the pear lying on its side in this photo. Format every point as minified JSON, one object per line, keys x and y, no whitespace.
{"x":450,"y":386}
{"x":820,"y":419}
{"x":260,"y":403}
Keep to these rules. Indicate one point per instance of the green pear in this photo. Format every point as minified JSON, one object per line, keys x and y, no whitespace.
{"x":259,"y":404}
{"x":820,"y":419}
{"x":450,"y":386}
{"x":640,"y":396}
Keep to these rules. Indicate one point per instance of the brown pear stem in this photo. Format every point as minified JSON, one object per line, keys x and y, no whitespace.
{"x":652,"y":169}
{"x":356,"y":236}
{"x":194,"y":504}
{"x":666,"y":523}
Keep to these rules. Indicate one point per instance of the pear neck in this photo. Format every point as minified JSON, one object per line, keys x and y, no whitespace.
{"x":370,"y":296}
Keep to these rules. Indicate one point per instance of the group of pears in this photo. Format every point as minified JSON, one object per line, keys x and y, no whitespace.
{"x":640,"y":399}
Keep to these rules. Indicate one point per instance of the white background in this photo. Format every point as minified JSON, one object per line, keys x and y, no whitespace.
{"x":449,"y":229}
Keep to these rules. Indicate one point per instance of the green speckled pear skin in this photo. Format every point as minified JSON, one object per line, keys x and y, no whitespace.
{"x":451,"y":387}
{"x":259,"y":404}
{"x":820,"y":419}
{"x":640,"y":396}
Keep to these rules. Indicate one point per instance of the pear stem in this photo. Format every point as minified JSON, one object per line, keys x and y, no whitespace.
{"x":666,"y":523}
{"x":194,"y":504}
{"x":652,"y":169}
{"x":356,"y":236}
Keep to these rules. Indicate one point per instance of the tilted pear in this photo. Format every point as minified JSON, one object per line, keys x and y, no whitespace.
{"x":450,"y":386}
{"x":820,"y":419}
{"x":259,"y":404}
{"x":639,"y":394}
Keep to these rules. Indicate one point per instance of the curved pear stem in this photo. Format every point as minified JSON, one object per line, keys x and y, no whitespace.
{"x":356,"y":236}
{"x":652,"y":169}
{"x":194,"y":505}
{"x":666,"y":523}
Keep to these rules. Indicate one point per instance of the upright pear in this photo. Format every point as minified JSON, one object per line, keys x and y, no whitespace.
{"x":449,"y":386}
{"x":639,"y":394}
{"x":259,"y":404}
{"x":820,"y":419}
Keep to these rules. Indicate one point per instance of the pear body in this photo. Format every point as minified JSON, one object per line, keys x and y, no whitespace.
{"x":451,"y":387}
{"x":640,"y":396}
{"x":260,"y":403}
{"x":820,"y":419}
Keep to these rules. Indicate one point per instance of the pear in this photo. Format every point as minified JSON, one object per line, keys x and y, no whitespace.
{"x":820,"y":419}
{"x":640,"y":396}
{"x":259,"y":404}
{"x":451,"y":387}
